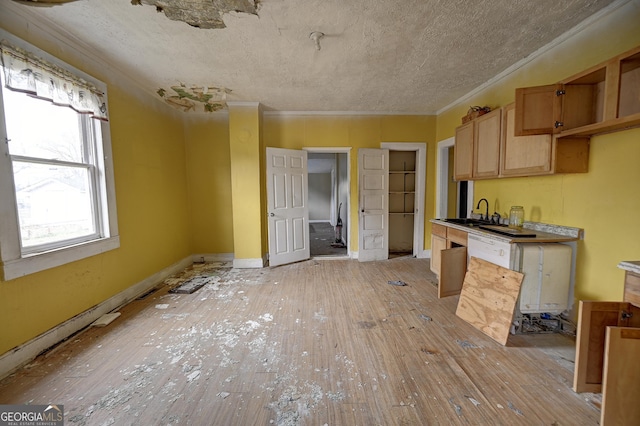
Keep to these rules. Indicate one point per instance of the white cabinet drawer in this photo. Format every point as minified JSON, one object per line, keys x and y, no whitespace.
{"x":489,"y":249}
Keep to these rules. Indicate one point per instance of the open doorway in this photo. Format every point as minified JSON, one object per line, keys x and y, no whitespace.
{"x":328,"y":191}
{"x":453,"y":199}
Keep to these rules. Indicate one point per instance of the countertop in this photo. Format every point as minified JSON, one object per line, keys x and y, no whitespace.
{"x":545,"y":233}
{"x":630,"y":266}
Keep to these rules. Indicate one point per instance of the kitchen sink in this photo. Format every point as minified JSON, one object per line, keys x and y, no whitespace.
{"x":467,"y":221}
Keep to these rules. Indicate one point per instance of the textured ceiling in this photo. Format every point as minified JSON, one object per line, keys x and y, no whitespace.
{"x":412,"y":56}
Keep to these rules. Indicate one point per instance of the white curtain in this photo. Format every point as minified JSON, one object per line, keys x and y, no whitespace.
{"x":25,"y":72}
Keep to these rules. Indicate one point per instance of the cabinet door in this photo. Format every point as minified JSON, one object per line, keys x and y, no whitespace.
{"x":486,"y":145}
{"x":593,"y":320}
{"x":437,"y":245}
{"x":620,"y":390}
{"x":523,"y":155}
{"x":453,"y":267}
{"x":463,"y":152}
{"x":537,"y":110}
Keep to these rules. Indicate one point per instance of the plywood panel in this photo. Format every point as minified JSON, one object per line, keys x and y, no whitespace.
{"x":488,"y":298}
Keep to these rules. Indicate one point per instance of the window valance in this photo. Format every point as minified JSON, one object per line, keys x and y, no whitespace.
{"x":27,"y":73}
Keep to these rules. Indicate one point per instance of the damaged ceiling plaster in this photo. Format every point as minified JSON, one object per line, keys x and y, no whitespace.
{"x":201,"y":13}
{"x":383,"y":56}
{"x":212,"y":98}
{"x":45,"y":3}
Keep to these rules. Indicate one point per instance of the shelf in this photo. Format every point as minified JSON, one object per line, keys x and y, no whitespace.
{"x":612,"y":125}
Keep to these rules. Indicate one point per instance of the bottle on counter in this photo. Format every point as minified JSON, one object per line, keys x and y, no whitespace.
{"x":516,"y":217}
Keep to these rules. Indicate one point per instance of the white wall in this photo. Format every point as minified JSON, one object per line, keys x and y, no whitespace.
{"x":319,"y":196}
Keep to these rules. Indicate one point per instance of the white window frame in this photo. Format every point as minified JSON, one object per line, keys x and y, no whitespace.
{"x":16,"y":264}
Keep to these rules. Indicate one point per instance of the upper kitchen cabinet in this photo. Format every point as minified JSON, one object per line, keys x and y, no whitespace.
{"x":477,"y":148}
{"x":463,"y":152}
{"x":601,"y":99}
{"x":539,"y":154}
{"x":486,"y":145}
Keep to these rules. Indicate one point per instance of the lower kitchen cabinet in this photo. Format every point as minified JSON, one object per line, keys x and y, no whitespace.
{"x":448,"y":258}
{"x":607,"y":353}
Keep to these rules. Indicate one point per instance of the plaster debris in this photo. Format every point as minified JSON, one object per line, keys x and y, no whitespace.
{"x":473,"y":400}
{"x":193,"y":376}
{"x":466,"y":344}
{"x":514,"y":409}
{"x":223,"y":395}
{"x":162,"y":306}
{"x":456,"y":407}
{"x":320,"y":316}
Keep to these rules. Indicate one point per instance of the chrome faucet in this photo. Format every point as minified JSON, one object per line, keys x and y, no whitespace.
{"x":486,"y":213}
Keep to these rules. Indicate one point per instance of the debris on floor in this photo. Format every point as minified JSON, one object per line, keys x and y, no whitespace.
{"x":398,"y":283}
{"x":465,"y":344}
{"x":105,"y":320}
{"x":191,"y":286}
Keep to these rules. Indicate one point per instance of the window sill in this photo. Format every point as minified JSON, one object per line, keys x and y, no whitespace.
{"x":12,"y":269}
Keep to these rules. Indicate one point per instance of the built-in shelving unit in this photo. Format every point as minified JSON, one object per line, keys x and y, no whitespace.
{"x":402,"y":187}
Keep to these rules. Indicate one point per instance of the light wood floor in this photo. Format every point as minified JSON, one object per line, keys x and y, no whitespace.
{"x":313,"y":343}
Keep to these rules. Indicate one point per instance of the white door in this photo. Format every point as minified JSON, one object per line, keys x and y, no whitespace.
{"x":373,"y":191}
{"x":288,"y":207}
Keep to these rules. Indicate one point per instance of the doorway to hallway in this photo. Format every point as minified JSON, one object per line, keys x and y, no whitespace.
{"x":328,"y":191}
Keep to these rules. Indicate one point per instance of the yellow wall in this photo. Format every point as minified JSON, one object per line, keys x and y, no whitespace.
{"x":364,"y":131}
{"x":209,"y":183}
{"x":603,"y":202}
{"x":150,"y":182}
{"x":247,"y":175}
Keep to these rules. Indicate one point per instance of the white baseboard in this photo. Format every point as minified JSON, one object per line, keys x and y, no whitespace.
{"x":424,"y":254}
{"x":249,"y":263}
{"x":21,"y":355}
{"x":212,"y":257}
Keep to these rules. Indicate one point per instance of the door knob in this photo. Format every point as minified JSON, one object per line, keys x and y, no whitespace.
{"x":271,"y":214}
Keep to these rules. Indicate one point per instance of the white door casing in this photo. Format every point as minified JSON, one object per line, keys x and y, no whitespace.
{"x":442,"y":176}
{"x":373,"y":192}
{"x":287,"y":206}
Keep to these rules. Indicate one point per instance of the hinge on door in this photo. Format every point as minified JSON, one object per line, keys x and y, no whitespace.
{"x":626,"y":315}
{"x":558,"y":124}
{"x":561,"y":92}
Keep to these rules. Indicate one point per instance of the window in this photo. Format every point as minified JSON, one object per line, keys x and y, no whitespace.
{"x":57,"y":202}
